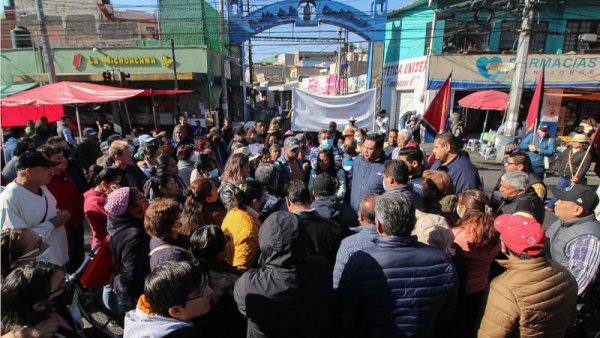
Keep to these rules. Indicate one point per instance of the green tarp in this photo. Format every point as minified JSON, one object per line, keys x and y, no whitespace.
{"x":6,"y":90}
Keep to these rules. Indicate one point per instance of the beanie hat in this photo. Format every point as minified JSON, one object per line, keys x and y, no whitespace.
{"x":117,"y":201}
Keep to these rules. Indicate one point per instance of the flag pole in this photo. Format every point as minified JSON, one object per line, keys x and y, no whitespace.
{"x":535,"y":123}
{"x":586,"y":153}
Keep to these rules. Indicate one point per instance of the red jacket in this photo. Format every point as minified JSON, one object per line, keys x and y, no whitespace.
{"x":68,"y":198}
{"x":93,"y":207}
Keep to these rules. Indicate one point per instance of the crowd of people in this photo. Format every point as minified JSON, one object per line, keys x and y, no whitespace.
{"x":229,"y":232}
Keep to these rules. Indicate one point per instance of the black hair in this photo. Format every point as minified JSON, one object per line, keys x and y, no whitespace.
{"x":162,"y":162}
{"x":11,"y":248}
{"x":297,"y":192}
{"x":455,"y":143}
{"x":522,"y":158}
{"x":393,"y":130}
{"x":332,"y":170}
{"x":23,"y":145}
{"x":137,"y":131}
{"x":377,"y":138}
{"x":205,"y":244}
{"x":250,"y":191}
{"x":98,"y":174}
{"x":159,"y":180}
{"x":149,"y":148}
{"x":21,"y":290}
{"x":396,"y":169}
{"x":325,"y":185}
{"x":171,"y":284}
{"x":412,"y":154}
{"x":205,"y":163}
{"x":54,"y":140}
{"x":49,"y":150}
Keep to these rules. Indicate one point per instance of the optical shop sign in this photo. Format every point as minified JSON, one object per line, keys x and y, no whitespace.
{"x":405,"y":74}
{"x":472,"y":71}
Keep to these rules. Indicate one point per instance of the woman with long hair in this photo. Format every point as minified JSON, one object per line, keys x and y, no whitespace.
{"x":201,"y":207}
{"x":241,"y":225}
{"x":103,"y":182}
{"x":477,"y":237}
{"x":235,"y":174}
{"x":326,"y":164}
{"x":206,"y":167}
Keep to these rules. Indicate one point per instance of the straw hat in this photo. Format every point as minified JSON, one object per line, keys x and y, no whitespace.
{"x":579,"y":138}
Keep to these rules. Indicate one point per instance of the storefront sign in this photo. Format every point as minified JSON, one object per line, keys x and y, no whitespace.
{"x":108,"y":60}
{"x":405,"y":74}
{"x":496,"y":71}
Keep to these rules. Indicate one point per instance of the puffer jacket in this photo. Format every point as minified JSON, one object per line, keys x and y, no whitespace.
{"x":367,"y":178}
{"x":397,"y":288}
{"x":290,"y":295}
{"x":337,"y":211}
{"x":363,"y":238}
{"x":532,"y":298}
{"x":241,"y":226}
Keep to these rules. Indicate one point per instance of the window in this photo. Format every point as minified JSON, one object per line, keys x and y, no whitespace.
{"x":149,"y":29}
{"x":510,"y":35}
{"x":427,"y":38}
{"x":466,"y":36}
{"x":576,"y":27}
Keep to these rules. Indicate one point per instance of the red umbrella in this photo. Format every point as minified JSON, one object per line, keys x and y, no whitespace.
{"x":487,"y":99}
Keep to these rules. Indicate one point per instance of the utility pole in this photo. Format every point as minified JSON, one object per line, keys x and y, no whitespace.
{"x":338,"y":72}
{"x":250,"y":68}
{"x":516,"y":91}
{"x":224,"y":100}
{"x":45,"y":42}
{"x":175,"y":74}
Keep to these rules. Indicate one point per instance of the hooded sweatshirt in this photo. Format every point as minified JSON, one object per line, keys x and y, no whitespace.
{"x":338,"y":211}
{"x":143,"y":323}
{"x":290,"y":295}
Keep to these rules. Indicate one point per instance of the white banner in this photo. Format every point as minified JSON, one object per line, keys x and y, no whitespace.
{"x":313,"y":112}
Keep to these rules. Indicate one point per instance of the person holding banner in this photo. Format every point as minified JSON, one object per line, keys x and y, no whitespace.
{"x":571,"y":165}
{"x":539,"y":145}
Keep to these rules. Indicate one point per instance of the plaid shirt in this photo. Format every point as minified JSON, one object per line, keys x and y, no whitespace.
{"x":584,"y":259}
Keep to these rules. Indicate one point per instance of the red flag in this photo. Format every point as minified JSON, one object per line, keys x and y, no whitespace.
{"x":535,"y":108}
{"x":436,"y":112}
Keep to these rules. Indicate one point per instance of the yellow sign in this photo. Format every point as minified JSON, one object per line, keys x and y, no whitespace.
{"x":167,"y":61}
{"x":120,"y":60}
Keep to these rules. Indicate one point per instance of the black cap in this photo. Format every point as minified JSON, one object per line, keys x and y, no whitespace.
{"x":580,"y":194}
{"x":32,"y":159}
{"x":544,"y":127}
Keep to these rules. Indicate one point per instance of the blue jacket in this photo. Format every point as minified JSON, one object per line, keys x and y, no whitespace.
{"x":367,"y":178}
{"x":363,"y":238}
{"x":397,"y":288}
{"x":547,"y":148}
{"x":464,"y":174}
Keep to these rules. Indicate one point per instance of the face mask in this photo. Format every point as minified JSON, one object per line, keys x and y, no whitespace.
{"x":194,"y":157}
{"x":326,"y":143}
{"x":358,"y":139}
{"x":44,"y":256}
{"x":347,"y":164}
{"x":458,"y":212}
{"x":213,"y":173}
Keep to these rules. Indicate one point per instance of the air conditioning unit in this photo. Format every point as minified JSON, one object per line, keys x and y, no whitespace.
{"x":588,"y":37}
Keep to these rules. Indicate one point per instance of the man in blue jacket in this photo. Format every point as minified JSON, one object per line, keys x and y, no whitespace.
{"x":542,"y":146}
{"x":398,"y":287}
{"x":453,"y":160}
{"x":367,"y":170}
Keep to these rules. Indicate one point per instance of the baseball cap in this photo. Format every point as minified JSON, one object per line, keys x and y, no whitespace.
{"x":145,"y":138}
{"x":580,"y":194}
{"x":89,"y":132}
{"x":291,"y":143}
{"x":544,"y":127}
{"x":300,"y":137}
{"x":522,"y":235}
{"x":32,"y":159}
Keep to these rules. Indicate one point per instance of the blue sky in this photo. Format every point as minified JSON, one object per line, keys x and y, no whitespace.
{"x":264,"y":49}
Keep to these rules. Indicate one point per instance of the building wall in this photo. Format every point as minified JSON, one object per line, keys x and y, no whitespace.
{"x":405,"y":36}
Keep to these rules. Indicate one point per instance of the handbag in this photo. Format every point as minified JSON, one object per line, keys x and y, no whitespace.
{"x":97,"y":273}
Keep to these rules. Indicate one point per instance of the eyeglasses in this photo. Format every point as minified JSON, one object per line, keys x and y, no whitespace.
{"x":200,"y":294}
{"x":510,"y":163}
{"x":37,"y":248}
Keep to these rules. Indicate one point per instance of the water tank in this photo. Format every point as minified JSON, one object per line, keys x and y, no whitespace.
{"x":20,"y":37}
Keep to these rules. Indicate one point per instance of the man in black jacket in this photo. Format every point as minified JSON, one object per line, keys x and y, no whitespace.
{"x":329,"y":207}
{"x":517,"y":195}
{"x":323,"y":235}
{"x":290,"y":295}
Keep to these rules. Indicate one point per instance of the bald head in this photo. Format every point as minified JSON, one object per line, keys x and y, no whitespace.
{"x":366,"y":211}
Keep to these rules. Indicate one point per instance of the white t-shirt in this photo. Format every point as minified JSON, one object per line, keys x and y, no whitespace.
{"x":382,"y":124}
{"x":20,"y":208}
